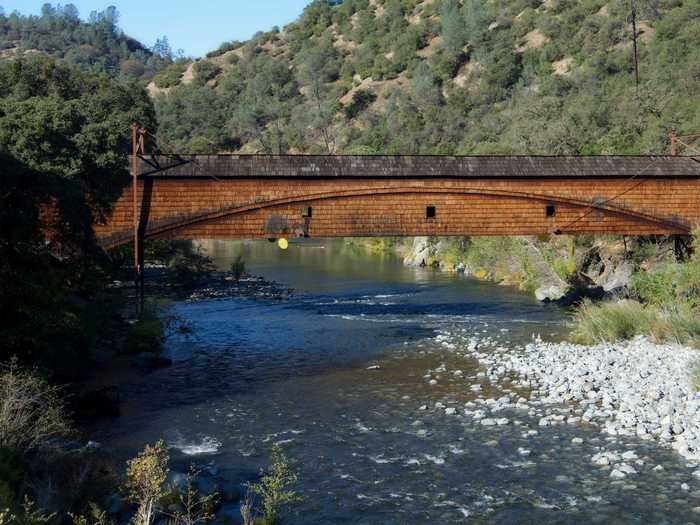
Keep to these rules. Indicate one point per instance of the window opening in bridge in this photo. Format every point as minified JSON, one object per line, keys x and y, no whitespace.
{"x":551,"y":210}
{"x":307,"y":212}
{"x":430,"y":212}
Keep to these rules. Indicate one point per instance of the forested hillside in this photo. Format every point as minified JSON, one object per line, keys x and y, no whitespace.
{"x":97,"y":45}
{"x":447,"y":77}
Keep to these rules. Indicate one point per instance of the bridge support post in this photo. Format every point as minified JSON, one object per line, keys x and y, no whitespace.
{"x":137,"y":146}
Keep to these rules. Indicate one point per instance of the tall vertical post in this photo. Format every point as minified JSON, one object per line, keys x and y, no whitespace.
{"x":138,"y":253}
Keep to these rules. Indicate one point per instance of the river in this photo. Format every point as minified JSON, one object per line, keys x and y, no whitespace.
{"x":346,"y":375}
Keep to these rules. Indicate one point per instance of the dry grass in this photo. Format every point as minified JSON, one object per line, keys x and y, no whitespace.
{"x":32,"y":413}
{"x":623,"y":320}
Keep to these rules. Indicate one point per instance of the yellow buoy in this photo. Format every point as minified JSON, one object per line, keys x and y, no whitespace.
{"x":283,"y":244}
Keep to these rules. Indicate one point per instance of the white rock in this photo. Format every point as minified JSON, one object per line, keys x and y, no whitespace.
{"x":627,"y":469}
{"x":617,"y":474}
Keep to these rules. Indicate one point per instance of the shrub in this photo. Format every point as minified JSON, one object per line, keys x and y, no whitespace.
{"x":192,"y":507}
{"x":190,"y":267}
{"x":32,"y":414}
{"x":224,"y":48}
{"x":146,"y":334}
{"x":28,"y":515}
{"x":273,"y":488}
{"x":238,"y":268}
{"x":170,"y":76}
{"x":655,"y":287}
{"x":205,"y":70}
{"x":132,"y":68}
{"x":97,"y":517}
{"x":145,"y":476}
{"x":361,"y":100}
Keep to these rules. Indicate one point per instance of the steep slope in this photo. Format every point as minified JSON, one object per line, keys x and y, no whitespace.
{"x":446,"y":76}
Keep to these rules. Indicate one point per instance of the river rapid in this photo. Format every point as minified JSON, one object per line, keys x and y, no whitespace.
{"x":352,"y":376}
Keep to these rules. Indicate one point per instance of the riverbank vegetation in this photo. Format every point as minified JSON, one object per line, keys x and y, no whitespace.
{"x":619,"y":288}
{"x":663,"y":304}
{"x":46,"y":476}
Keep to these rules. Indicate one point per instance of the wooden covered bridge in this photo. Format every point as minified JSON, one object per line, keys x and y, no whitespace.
{"x":257,"y":196}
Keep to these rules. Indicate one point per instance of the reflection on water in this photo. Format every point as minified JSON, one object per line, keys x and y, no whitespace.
{"x":338,"y":375}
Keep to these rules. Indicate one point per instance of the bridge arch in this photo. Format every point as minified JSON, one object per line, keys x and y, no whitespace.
{"x":167,"y":226}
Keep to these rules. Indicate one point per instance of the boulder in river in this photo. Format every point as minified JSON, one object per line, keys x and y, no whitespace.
{"x":550,"y":293}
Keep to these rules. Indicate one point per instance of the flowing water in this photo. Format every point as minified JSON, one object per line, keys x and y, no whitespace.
{"x":337,"y":375}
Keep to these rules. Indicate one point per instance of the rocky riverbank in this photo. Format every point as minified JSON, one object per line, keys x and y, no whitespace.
{"x":160,"y":284}
{"x":553,"y":269}
{"x":636,"y":388}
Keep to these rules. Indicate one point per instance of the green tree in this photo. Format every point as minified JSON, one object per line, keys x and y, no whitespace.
{"x":145,"y":478}
{"x":454,"y":31}
{"x":63,"y":143}
{"x":274,"y":487}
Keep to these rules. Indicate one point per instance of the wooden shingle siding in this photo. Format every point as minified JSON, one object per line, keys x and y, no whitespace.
{"x":233,"y":197}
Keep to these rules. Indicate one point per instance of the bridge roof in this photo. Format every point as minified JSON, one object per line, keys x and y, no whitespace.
{"x":356,"y":166}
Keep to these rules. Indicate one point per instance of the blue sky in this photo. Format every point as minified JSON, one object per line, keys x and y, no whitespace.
{"x":197,"y":26}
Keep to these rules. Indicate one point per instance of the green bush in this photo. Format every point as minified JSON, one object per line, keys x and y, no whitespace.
{"x":656,"y":287}
{"x":147,"y":334}
{"x":238,"y":268}
{"x":274,"y":488}
{"x":170,"y":76}
{"x":361,"y":100}
{"x":224,"y":48}
{"x":204,"y":71}
{"x":145,"y":480}
{"x":189,"y":269}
